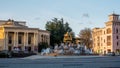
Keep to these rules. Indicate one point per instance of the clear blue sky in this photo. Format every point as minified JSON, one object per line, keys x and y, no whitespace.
{"x":79,"y":13}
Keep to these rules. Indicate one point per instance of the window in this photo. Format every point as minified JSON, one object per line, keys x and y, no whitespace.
{"x":117,"y":37}
{"x":108,"y":31}
{"x":10,"y":40}
{"x":108,"y":40}
{"x":98,"y":38}
{"x":104,"y":32}
{"x":98,"y":44}
{"x":19,"y":39}
{"x":116,"y":30}
{"x":41,"y":35}
{"x":109,"y":50}
{"x":117,"y":43}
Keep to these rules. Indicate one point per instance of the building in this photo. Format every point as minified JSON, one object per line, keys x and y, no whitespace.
{"x":16,"y":35}
{"x":107,"y":39}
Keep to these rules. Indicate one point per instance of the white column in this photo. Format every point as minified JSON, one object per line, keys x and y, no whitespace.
{"x":26,"y":38}
{"x":37,"y":38}
{"x":14,"y":38}
{"x":34,"y":41}
{"x":7,"y":40}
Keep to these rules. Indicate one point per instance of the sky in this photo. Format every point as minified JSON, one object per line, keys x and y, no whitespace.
{"x":79,"y":14}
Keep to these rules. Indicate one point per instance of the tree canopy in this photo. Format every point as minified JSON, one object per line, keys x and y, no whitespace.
{"x":86,"y":37}
{"x":57,"y":28}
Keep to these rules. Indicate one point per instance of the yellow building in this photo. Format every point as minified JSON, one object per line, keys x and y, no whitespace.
{"x":107,"y":39}
{"x":15,"y":34}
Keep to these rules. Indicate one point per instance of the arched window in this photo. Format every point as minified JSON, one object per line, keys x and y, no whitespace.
{"x":117,"y":37}
{"x":116,"y":30}
{"x":117,"y":43}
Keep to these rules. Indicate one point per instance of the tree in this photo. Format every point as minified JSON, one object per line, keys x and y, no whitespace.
{"x":57,"y":30}
{"x":86,"y":36}
{"x":42,"y":45}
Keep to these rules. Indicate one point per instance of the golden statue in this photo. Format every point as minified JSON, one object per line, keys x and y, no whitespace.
{"x":67,"y":37}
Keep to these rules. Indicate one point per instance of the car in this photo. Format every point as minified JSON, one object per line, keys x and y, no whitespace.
{"x":5,"y":54}
{"x":110,"y":54}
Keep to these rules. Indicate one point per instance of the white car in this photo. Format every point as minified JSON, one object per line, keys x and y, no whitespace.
{"x":110,"y":54}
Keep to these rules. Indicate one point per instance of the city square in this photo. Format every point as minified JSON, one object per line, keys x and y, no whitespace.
{"x":59,"y":34}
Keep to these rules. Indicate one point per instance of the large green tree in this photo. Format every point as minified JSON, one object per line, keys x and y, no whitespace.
{"x":86,"y":37}
{"x":57,"y":28}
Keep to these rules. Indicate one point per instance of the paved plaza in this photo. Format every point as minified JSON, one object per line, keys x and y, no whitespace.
{"x":38,"y":61}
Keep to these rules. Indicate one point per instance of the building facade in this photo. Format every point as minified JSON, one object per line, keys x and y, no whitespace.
{"x":15,"y":34}
{"x":107,"y":39}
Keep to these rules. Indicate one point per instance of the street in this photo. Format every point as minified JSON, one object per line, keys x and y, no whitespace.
{"x":76,"y":62}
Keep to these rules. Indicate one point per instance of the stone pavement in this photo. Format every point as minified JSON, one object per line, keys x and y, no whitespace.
{"x":38,"y":61}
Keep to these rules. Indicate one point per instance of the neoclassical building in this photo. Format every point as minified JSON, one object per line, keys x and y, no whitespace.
{"x":15,"y":34}
{"x":107,"y":39}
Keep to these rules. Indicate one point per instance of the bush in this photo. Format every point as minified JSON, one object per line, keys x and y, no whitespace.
{"x":42,"y":45}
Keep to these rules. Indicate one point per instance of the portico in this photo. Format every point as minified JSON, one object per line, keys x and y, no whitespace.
{"x":15,"y":35}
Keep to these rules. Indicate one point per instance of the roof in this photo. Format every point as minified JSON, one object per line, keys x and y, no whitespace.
{"x":12,"y":23}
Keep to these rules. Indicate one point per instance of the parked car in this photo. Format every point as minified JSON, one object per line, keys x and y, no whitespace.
{"x":5,"y":54}
{"x":110,"y":54}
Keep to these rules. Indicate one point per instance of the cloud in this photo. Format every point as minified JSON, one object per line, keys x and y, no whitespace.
{"x":86,"y":15}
